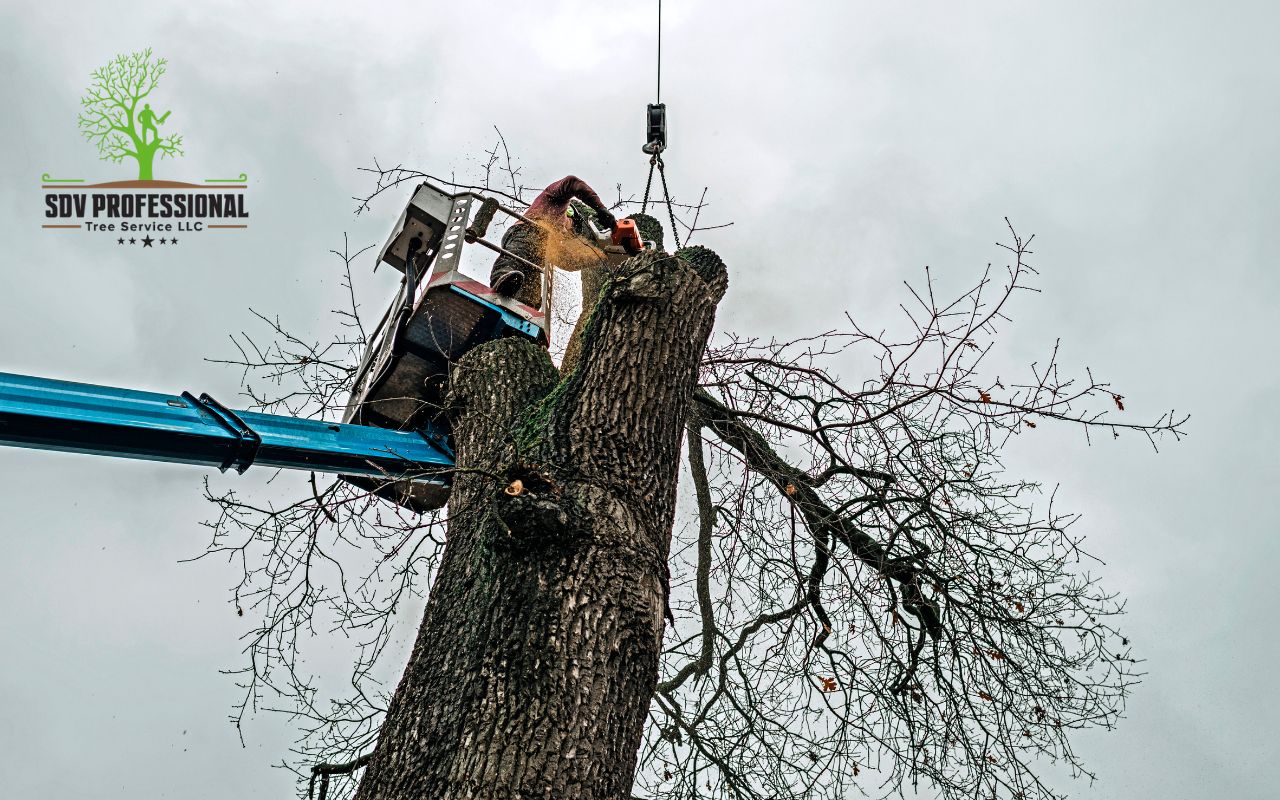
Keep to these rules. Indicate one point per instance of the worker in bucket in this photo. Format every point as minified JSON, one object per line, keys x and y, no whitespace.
{"x":552,"y":241}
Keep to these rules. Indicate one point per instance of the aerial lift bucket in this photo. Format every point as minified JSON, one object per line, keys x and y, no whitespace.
{"x":438,"y":315}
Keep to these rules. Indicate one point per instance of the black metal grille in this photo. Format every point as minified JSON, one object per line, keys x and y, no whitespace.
{"x":447,"y":323}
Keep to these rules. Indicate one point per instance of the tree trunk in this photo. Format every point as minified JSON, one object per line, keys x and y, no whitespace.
{"x":538,"y":651}
{"x":593,"y":279}
{"x":146,"y":158}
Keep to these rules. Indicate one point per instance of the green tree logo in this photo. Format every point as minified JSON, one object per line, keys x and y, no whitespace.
{"x":116,"y":118}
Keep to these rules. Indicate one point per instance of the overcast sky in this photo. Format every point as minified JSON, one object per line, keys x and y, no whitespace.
{"x":851,"y":143}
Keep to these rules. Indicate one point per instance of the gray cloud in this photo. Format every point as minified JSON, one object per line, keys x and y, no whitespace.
{"x":851,"y":144}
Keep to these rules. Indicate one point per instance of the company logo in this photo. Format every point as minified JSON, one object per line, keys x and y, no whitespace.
{"x":117,"y":116}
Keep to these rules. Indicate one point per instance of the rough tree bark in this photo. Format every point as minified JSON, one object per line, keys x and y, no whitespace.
{"x":538,"y":651}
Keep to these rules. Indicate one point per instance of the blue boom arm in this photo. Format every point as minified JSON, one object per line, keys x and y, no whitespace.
{"x":101,"y":420}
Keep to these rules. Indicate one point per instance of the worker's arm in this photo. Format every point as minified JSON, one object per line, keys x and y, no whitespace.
{"x":572,"y":186}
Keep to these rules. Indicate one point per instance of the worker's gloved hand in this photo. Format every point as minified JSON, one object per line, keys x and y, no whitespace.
{"x":606,"y":219}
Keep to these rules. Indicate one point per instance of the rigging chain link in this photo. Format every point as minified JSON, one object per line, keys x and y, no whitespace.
{"x":666,"y":195}
{"x":656,"y":161}
{"x":644,"y":207}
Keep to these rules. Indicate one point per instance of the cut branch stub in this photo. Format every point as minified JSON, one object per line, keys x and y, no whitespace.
{"x":535,"y":510}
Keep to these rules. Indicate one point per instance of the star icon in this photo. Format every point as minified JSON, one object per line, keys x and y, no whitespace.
{"x":132,"y":240}
{"x":173,"y":240}
{"x":121,"y":240}
{"x":161,"y":240}
{"x":147,"y":241}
